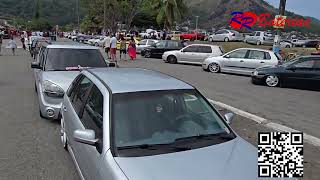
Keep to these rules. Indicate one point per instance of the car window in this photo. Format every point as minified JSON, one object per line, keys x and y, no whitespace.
{"x":72,"y":89}
{"x":143,"y":42}
{"x":150,"y":42}
{"x":204,"y":49}
{"x":80,"y":94}
{"x":238,"y":53}
{"x":257,"y":33}
{"x":191,"y":49}
{"x":304,"y":64}
{"x":161,"y":44}
{"x":92,"y":117}
{"x":253,"y":54}
{"x":219,"y":32}
{"x":62,"y":59}
{"x":173,"y":44}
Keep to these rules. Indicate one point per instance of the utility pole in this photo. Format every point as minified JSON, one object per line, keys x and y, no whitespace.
{"x":282,"y":9}
{"x":104,"y":17}
{"x":197,"y":18}
{"x":78,"y":16}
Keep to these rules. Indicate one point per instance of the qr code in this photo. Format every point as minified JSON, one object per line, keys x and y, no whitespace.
{"x":280,"y":154}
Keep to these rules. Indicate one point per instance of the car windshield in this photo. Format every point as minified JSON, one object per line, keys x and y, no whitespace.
{"x":164,"y":117}
{"x":66,"y":59}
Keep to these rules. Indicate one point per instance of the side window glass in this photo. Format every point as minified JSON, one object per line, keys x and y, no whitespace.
{"x":172,"y":44}
{"x":267,"y":56}
{"x":190,"y":49}
{"x":205,"y":49}
{"x":92,"y":117}
{"x":72,"y":89}
{"x":257,"y":33}
{"x":256,"y":55}
{"x":143,"y":42}
{"x":305,"y":64}
{"x":80,"y":95}
{"x":238,"y":54}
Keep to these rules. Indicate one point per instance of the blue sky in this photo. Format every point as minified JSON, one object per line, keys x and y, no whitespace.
{"x":302,"y":7}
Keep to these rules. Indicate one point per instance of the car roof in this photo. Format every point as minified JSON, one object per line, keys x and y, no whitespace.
{"x":257,"y":49}
{"x":124,"y":80}
{"x":204,"y":45}
{"x":59,"y":46}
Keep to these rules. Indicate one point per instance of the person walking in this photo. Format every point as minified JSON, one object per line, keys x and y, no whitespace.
{"x":123,"y":48}
{"x":107,"y":41}
{"x":132,"y":49}
{"x":22,"y":41}
{"x":113,"y":48}
{"x":12,"y":45}
{"x":0,"y":42}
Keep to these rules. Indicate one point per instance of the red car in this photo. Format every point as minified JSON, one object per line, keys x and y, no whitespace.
{"x":193,"y":35}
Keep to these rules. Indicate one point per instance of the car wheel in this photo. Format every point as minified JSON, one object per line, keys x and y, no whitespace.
{"x":226,"y":39}
{"x":147,"y":54}
{"x":96,"y":44}
{"x":287,"y":46}
{"x":63,"y":135}
{"x":245,"y":41}
{"x":172,"y":59}
{"x":258,"y":43}
{"x":304,"y":46}
{"x":272,"y":81}
{"x":211,"y":39}
{"x":214,"y":68}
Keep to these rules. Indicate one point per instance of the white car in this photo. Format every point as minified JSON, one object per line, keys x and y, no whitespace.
{"x":260,"y":38}
{"x":286,"y":44}
{"x":192,"y":54}
{"x":226,"y":35}
{"x":96,"y":41}
{"x":144,"y":44}
{"x":241,"y":61}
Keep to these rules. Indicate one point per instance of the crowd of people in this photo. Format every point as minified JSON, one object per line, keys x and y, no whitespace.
{"x":110,"y":46}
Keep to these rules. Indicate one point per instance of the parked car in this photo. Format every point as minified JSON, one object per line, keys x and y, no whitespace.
{"x":311,"y":43}
{"x":260,"y":38}
{"x":194,"y":54}
{"x":241,"y":61}
{"x":286,"y":44}
{"x":123,"y":123}
{"x":144,"y":44}
{"x":298,"y":42}
{"x":301,"y":72}
{"x":159,"y":48}
{"x":55,"y":69}
{"x":192,"y":35}
{"x":226,"y":35}
{"x":94,"y":40}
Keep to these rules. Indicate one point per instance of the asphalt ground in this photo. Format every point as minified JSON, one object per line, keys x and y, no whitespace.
{"x":31,"y":148}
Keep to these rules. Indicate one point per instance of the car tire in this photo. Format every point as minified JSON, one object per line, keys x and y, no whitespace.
{"x":287,"y":46}
{"x":147,"y":54}
{"x":245,"y":41}
{"x":172,"y":59}
{"x":226,"y":39}
{"x":211,"y":39}
{"x":214,"y":68}
{"x":96,"y":44}
{"x":63,"y":135}
{"x":272,"y":81}
{"x":304,"y":46}
{"x":258,"y":43}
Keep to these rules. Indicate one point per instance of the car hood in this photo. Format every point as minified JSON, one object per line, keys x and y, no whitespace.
{"x":61,"y":78}
{"x":235,"y":159}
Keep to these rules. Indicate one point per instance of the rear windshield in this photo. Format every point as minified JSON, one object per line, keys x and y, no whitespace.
{"x":63,"y":59}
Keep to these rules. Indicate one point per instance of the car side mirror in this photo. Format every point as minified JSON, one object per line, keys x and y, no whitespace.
{"x":229,"y":117}
{"x":35,"y":65}
{"x":86,"y":136}
{"x":226,"y":56}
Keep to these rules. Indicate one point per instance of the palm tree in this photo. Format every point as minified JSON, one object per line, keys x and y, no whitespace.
{"x":169,"y":11}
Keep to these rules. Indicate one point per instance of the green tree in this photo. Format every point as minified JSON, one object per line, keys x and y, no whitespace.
{"x":169,"y":11}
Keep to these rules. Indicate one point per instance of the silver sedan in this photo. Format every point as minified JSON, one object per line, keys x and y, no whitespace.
{"x":137,"y":124}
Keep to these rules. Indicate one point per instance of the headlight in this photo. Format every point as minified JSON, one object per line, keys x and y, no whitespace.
{"x":255,"y":73}
{"x":52,"y":89}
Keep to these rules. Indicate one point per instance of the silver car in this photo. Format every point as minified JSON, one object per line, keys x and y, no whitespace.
{"x":260,"y":38}
{"x":55,"y":69}
{"x":226,"y":35}
{"x":193,"y":54}
{"x":144,"y":44}
{"x":241,"y":61}
{"x":137,"y":124}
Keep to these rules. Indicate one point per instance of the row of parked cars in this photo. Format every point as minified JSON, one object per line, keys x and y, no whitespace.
{"x":131,"y":123}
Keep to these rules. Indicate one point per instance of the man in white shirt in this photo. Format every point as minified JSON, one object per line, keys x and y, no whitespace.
{"x":113,"y":47}
{"x":107,"y":42}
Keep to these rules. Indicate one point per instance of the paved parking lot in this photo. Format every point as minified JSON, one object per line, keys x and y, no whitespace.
{"x":31,"y":148}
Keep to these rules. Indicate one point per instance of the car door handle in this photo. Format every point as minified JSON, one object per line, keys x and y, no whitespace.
{"x":64,"y":108}
{"x":242,"y":61}
{"x":262,"y":62}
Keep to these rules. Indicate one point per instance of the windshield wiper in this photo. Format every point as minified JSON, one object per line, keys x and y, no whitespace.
{"x":167,"y":146}
{"x":222,"y":136}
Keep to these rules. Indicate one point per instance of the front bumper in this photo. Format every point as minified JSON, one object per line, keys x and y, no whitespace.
{"x":204,"y":66}
{"x":49,"y":106}
{"x":257,"y":79}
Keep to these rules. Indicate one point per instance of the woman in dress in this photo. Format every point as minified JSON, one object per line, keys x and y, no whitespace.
{"x":132,"y":49}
